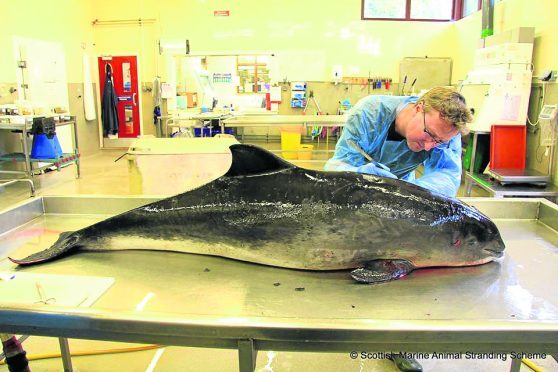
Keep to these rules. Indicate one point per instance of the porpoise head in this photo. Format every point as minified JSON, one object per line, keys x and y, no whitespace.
{"x":466,"y":237}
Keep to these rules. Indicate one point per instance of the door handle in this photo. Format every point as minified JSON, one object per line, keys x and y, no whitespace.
{"x":134,"y":99}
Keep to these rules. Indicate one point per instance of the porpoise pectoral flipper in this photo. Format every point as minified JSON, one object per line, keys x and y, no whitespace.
{"x":379,"y":271}
{"x":66,"y":242}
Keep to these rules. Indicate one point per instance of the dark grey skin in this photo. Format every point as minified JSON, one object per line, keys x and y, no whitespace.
{"x":268,"y":211}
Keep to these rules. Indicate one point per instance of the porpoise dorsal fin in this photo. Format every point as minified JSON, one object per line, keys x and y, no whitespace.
{"x":251,"y":160}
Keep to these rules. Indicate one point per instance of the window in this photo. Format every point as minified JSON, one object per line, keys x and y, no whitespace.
{"x":253,"y":72}
{"x":439,"y":10}
{"x":471,"y":6}
{"x":384,"y":9}
{"x":408,"y":10}
{"x":419,"y":10}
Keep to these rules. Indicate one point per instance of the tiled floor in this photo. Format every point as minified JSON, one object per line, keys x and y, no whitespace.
{"x":100,"y":174}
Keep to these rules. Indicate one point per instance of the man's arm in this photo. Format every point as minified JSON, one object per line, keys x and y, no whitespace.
{"x":442,"y":170}
{"x":346,"y":157}
{"x":357,"y":129}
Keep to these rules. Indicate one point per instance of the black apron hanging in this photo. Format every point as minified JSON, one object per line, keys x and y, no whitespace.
{"x":109,"y":101}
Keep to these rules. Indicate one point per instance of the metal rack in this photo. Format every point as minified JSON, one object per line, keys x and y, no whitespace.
{"x":278,"y":121}
{"x":32,"y":166}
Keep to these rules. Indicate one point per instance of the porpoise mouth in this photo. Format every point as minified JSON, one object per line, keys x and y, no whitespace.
{"x":495,"y":253}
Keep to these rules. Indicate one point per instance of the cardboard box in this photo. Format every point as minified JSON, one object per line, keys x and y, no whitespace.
{"x":516,"y":35}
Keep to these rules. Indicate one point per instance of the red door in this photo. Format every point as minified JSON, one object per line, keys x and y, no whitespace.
{"x":125,"y":81}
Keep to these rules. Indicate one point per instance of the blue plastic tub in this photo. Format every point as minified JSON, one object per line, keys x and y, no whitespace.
{"x":45,"y":148}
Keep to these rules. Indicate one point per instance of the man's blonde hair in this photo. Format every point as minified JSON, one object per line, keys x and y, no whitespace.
{"x":450,"y":104}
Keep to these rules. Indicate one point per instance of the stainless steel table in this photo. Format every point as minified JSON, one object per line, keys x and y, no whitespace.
{"x":499,"y":191}
{"x":505,"y":306}
{"x":327,"y":121}
{"x":185,"y":121}
{"x":25,"y":156}
{"x":267,"y":120}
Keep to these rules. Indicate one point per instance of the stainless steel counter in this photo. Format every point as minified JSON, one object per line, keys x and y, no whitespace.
{"x":504,"y":306}
{"x":498,"y":190}
{"x":281,"y":120}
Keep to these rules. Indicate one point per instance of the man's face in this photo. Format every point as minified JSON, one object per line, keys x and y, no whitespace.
{"x":428,"y":130}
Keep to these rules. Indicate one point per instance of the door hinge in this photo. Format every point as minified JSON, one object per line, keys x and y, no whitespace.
{"x":22,"y":64}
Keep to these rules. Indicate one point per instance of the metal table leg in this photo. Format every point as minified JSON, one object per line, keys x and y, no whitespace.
{"x":515,"y":365}
{"x":26,"y":153}
{"x":468,"y":180}
{"x":247,"y":354}
{"x":76,"y":148}
{"x":66,"y":356}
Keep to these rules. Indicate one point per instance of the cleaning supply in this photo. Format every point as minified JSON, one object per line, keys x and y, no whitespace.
{"x":290,"y":141}
{"x":45,"y":148}
{"x":306,"y":152}
{"x":45,"y":143}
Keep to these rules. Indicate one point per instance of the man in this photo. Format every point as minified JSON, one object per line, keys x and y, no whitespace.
{"x":400,"y":133}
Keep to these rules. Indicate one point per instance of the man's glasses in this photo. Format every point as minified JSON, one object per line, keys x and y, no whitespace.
{"x":432,"y":137}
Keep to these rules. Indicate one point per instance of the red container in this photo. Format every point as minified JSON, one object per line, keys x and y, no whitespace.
{"x":507,"y":146}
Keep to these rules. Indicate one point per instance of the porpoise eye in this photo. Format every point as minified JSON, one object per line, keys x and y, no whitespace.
{"x":457,"y":243}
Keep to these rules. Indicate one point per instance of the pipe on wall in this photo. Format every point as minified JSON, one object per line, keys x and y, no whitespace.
{"x":487,"y":18}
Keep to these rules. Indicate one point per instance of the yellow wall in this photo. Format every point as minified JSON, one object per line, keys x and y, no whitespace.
{"x":65,"y":21}
{"x":323,"y":33}
{"x":510,"y":14}
{"x":465,"y":36}
{"x":130,"y":40}
{"x":540,"y":14}
{"x":308,"y":36}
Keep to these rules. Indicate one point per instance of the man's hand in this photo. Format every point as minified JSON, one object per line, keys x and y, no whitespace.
{"x":377,"y":169}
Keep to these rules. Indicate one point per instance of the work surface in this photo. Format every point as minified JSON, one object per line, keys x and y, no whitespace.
{"x":211,"y":291}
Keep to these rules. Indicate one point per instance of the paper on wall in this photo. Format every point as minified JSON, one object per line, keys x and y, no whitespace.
{"x":511,"y":107}
{"x":167,"y":90}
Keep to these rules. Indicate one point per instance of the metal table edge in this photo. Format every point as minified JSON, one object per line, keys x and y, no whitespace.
{"x":283,"y":334}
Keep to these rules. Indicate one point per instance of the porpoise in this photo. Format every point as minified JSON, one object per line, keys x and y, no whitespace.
{"x":268,"y":211}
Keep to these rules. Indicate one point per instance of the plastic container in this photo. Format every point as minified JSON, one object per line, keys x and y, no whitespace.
{"x":45,"y":148}
{"x":167,"y":166}
{"x":508,"y":146}
{"x":202,"y":132}
{"x":198,"y":132}
{"x":290,"y":141}
{"x":307,"y":155}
